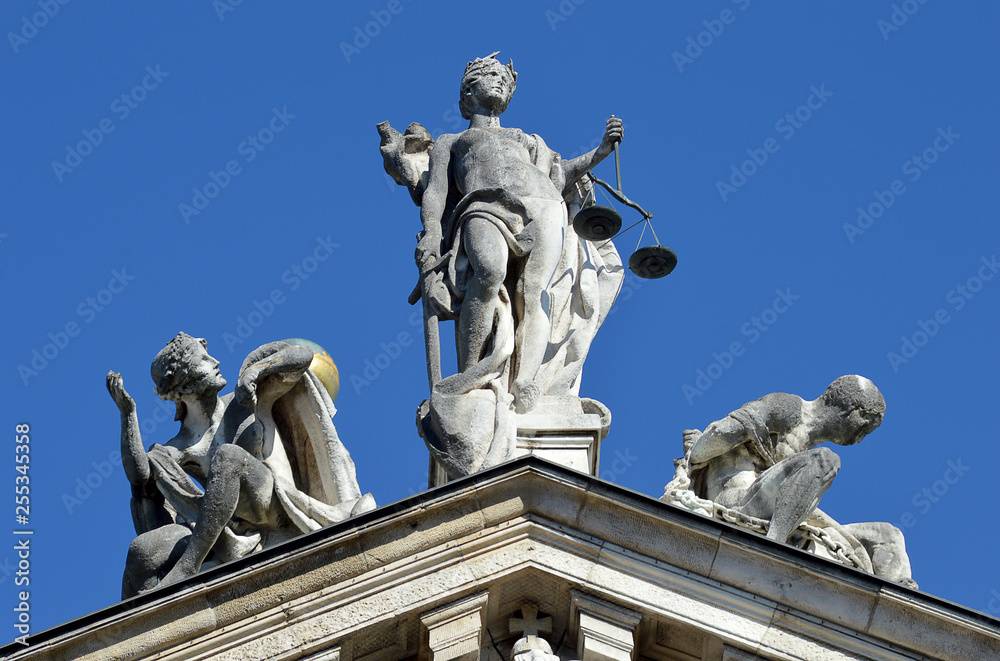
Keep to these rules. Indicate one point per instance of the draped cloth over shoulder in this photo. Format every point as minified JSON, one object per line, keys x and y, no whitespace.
{"x":326,"y":486}
{"x":323,"y":487}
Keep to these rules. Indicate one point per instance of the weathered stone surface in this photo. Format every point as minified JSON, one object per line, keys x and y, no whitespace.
{"x":455,"y":631}
{"x":423,"y":529}
{"x":642,"y":531}
{"x":791,"y":585}
{"x":604,"y":631}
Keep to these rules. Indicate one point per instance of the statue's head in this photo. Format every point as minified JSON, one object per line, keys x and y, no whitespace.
{"x":183,"y":367}
{"x":531,"y":648}
{"x":860,"y":405}
{"x":487,"y":83}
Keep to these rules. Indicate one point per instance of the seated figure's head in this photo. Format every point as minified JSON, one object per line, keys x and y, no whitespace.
{"x":478,"y":88}
{"x":860,"y":404}
{"x":184,"y":367}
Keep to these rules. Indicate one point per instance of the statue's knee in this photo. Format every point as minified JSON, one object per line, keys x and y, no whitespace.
{"x":227,"y":459}
{"x":138,"y":552}
{"x":490,"y":273}
{"x":889,"y":534}
{"x":827,"y":461}
{"x":226,"y":452}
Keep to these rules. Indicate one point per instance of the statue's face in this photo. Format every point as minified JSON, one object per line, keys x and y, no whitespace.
{"x":183,"y":367}
{"x":855,"y":424}
{"x":490,"y":87}
{"x":203,"y":372}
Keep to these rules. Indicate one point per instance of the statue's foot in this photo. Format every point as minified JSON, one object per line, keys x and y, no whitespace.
{"x":175,"y":575}
{"x":777,"y":534}
{"x":365,"y":504}
{"x":526,"y":395}
{"x":232,"y":546}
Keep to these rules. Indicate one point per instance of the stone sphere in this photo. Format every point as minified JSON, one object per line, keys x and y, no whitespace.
{"x":322,"y":366}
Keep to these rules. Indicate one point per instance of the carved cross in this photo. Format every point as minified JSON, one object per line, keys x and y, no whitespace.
{"x":529,"y":623}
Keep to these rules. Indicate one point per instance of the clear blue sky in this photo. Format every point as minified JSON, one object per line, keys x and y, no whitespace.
{"x":850,"y":106}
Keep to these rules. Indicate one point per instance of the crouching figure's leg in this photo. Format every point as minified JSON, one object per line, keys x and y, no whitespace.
{"x":788,"y":492}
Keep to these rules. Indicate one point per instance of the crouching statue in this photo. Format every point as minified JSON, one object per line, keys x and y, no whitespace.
{"x":760,"y":468}
{"x":246,"y":470}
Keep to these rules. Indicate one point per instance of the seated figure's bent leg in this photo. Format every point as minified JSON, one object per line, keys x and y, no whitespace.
{"x":549,"y":220}
{"x":487,"y":251}
{"x":887,"y":549}
{"x":788,"y":492}
{"x":238,"y":485}
{"x":151,"y":554}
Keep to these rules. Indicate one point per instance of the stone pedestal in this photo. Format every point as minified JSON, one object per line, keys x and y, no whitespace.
{"x":564,"y":430}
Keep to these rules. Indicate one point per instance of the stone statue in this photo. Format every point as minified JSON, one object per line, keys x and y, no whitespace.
{"x":498,"y":254}
{"x":760,"y":467}
{"x":246,"y":470}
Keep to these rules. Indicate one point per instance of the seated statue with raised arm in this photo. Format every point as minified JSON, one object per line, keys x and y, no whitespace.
{"x":245,"y":471}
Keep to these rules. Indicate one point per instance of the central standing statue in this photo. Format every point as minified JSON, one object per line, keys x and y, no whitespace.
{"x":498,"y":255}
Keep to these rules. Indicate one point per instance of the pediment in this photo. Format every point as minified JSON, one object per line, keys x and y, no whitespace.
{"x":378,"y":587}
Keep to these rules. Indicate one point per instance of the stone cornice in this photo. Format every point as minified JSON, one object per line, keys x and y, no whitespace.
{"x":527,"y":517}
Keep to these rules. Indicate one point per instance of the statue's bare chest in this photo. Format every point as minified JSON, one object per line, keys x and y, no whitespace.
{"x":477,"y":147}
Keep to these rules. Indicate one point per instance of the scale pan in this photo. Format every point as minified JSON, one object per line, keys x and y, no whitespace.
{"x":597,"y":223}
{"x":652,"y":262}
